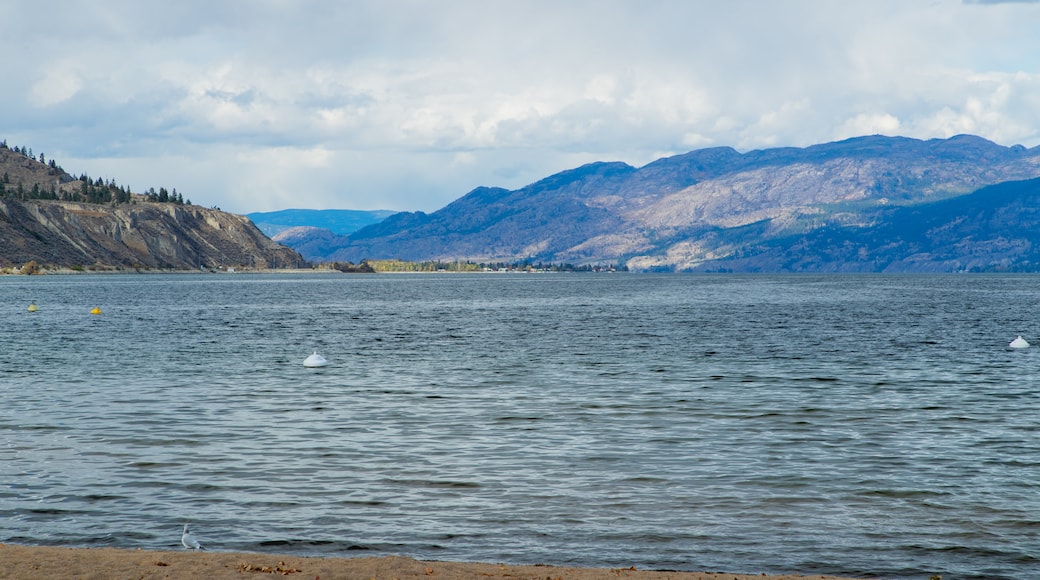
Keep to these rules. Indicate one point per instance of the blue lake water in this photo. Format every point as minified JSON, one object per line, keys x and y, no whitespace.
{"x":850,"y":425}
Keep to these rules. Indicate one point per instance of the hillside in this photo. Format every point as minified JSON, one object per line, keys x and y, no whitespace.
{"x":706,"y":209}
{"x":995,"y":229}
{"x":47,"y":216}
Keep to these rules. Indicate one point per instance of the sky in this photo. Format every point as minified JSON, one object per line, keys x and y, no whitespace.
{"x":261,"y":105}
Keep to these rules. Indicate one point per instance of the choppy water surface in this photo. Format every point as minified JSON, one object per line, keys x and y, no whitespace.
{"x":852,"y":425}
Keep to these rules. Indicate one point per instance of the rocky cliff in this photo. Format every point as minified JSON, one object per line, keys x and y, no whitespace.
{"x":133,"y":235}
{"x":56,"y":220}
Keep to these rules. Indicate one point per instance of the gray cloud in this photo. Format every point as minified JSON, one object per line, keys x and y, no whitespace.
{"x":407,"y":104}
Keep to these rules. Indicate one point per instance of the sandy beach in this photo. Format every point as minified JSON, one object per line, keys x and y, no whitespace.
{"x":30,"y":562}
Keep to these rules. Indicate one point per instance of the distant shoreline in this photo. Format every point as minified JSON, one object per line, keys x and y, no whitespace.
{"x":235,"y":271}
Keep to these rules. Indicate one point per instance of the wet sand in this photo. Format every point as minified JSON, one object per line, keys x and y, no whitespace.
{"x":30,"y":562}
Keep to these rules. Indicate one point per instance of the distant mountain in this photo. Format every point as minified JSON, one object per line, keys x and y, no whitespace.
{"x":310,"y":242}
{"x":337,"y":221}
{"x":782,"y":209}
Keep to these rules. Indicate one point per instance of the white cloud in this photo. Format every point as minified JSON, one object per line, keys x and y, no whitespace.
{"x":408,"y":105}
{"x":57,"y":85}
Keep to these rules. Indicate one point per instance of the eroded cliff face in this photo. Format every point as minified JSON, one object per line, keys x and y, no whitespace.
{"x":134,"y":235}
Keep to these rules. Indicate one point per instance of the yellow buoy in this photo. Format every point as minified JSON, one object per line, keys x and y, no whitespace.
{"x":96,"y":310}
{"x":33,"y":307}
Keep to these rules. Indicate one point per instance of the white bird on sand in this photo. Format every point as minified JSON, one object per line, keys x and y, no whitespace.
{"x":189,"y":540}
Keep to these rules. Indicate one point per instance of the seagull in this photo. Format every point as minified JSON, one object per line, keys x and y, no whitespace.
{"x":189,"y":540}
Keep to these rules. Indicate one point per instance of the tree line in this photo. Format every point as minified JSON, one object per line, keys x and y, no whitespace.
{"x":97,"y":191}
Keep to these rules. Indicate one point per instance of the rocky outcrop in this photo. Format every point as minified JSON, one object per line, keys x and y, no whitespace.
{"x":134,"y":235}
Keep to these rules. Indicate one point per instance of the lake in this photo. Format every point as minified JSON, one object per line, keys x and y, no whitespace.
{"x":859,"y":425}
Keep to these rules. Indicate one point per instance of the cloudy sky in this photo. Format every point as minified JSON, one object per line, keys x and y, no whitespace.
{"x":258,"y":105}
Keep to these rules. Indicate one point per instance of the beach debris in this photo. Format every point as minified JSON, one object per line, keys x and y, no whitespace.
{"x":282,"y":568}
{"x":1019,"y":343}
{"x":189,"y":540}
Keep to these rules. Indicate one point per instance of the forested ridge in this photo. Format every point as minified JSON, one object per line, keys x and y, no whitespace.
{"x":25,"y":175}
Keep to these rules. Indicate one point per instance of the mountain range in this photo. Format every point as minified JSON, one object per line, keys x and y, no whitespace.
{"x":873,"y":203}
{"x":337,"y":221}
{"x":867,"y":204}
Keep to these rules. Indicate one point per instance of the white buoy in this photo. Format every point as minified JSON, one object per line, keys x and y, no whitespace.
{"x":315,"y":360}
{"x":1019,"y":343}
